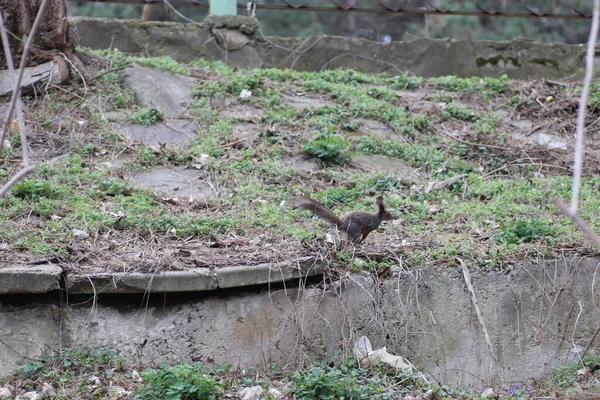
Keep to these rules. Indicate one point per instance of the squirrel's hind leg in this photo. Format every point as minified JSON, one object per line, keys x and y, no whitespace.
{"x":354,"y":232}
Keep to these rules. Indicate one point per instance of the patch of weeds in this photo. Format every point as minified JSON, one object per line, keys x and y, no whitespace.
{"x":345,"y":76}
{"x":176,"y":382}
{"x":323,"y":382}
{"x":280,"y":75}
{"x":379,"y":104}
{"x":203,"y":112}
{"x":329,"y":148}
{"x":386,"y":183}
{"x":520,"y":101}
{"x":474,"y":84}
{"x":251,"y":81}
{"x":565,"y":379}
{"x":284,"y":117}
{"x":351,"y":125}
{"x":74,"y":372}
{"x":218,"y":67}
{"x":436,"y":161}
{"x":346,"y":381}
{"x":207,"y":88}
{"x":594,"y":102}
{"x":524,"y":230}
{"x":486,"y":123}
{"x":88,"y":149}
{"x":382,"y":93}
{"x":404,"y":81}
{"x":34,"y":189}
{"x":120,"y":59}
{"x":146,"y":158}
{"x":341,"y":195}
{"x":114,"y":91}
{"x":146,"y":116}
{"x":458,"y":111}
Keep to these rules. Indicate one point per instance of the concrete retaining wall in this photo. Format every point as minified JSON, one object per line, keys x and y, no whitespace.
{"x":235,"y":41}
{"x":538,"y":316}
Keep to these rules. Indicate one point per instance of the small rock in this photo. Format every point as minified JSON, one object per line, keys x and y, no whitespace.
{"x":136,"y":376}
{"x":29,"y":396}
{"x":5,"y":392}
{"x":250,"y":393}
{"x":245,"y":94}
{"x":246,"y":29}
{"x":276,"y":393}
{"x":489,"y":392}
{"x":117,"y":392}
{"x":550,"y":142}
{"x":48,"y":390}
{"x":79,"y":234}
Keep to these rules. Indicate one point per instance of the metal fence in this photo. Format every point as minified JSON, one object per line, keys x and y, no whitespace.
{"x":570,"y":9}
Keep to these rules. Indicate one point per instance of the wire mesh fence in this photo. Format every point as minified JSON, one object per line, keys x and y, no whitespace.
{"x":490,"y":8}
{"x":382,"y":20}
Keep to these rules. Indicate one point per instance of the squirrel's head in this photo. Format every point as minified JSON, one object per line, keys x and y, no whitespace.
{"x":384,"y":215}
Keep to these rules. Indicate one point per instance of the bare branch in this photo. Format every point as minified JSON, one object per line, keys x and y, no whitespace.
{"x":17,"y":84}
{"x":19,"y":104}
{"x":585,"y":228}
{"x":585,"y":92}
{"x":15,"y":100}
{"x":467,"y":277}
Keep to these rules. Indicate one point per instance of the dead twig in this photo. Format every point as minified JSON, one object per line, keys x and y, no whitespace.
{"x":467,"y":277}
{"x":108,"y":71}
{"x":16,"y":179}
{"x":581,"y":224}
{"x":491,"y":146}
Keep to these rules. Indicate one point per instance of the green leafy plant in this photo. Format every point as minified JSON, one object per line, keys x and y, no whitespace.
{"x":458,"y":111}
{"x":329,"y":148}
{"x":323,"y":382}
{"x":565,"y":378}
{"x":146,"y":116}
{"x":77,"y":371}
{"x":524,"y":230}
{"x":178,"y":382}
{"x":34,"y":189}
{"x":486,"y":123}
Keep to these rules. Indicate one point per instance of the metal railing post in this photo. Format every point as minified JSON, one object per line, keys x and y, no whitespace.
{"x":223,"y":7}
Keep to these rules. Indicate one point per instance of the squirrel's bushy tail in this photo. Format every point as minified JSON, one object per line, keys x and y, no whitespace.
{"x":318,"y":209}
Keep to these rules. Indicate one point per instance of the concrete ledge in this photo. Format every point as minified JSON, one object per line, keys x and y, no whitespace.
{"x":194,"y":280}
{"x":200,"y":279}
{"x":260,"y":274}
{"x":30,"y":279}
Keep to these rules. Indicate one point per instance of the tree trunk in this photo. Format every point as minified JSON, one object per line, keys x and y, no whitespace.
{"x":51,"y":38}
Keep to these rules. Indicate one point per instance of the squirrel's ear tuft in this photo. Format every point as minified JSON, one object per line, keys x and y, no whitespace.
{"x":379,"y":199}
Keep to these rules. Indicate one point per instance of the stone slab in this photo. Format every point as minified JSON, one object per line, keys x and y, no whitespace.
{"x":47,"y":72}
{"x":30,"y":279}
{"x":185,"y":183}
{"x":174,"y":132}
{"x":164,"y":91}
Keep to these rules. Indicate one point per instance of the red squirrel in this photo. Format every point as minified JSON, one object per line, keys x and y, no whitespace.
{"x":357,"y":224}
